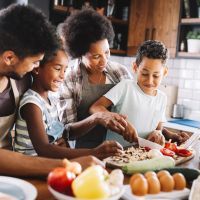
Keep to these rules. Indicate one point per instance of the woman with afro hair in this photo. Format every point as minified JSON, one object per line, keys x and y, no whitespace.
{"x":87,"y":35}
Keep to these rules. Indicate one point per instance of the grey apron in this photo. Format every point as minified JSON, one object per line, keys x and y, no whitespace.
{"x":90,"y":93}
{"x":7,"y":122}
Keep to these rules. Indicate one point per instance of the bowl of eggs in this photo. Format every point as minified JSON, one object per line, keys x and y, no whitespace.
{"x":157,"y":185}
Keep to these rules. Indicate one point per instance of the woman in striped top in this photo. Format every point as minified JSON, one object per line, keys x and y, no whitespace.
{"x":39,"y":130}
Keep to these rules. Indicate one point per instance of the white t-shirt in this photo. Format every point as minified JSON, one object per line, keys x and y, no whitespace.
{"x":144,"y":112}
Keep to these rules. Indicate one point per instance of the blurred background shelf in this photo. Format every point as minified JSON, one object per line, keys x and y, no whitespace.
{"x":186,"y":21}
{"x":188,"y":55}
{"x":118,"y":51}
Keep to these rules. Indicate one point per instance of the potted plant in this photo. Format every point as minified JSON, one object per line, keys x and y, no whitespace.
{"x":193,"y":41}
{"x":198,"y":5}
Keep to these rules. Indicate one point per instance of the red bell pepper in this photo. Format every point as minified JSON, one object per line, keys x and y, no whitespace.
{"x":183,"y":152}
{"x":167,"y":152}
{"x":171,"y":146}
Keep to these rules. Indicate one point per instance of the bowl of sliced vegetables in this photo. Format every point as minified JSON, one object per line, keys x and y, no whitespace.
{"x":94,"y":183}
{"x":60,"y":196}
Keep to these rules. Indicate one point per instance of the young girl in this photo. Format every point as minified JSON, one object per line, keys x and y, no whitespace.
{"x":38,"y":123}
{"x":38,"y":127}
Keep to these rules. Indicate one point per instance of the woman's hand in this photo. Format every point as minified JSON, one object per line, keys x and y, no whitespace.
{"x":157,"y":137}
{"x":107,"y":149}
{"x":113,"y":121}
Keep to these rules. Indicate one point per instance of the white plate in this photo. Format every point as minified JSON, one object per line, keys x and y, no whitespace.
{"x":60,"y":196}
{"x":175,"y":194}
{"x":23,"y":189}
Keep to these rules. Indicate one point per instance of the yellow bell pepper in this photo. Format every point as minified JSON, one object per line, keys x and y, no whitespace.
{"x":91,"y":183}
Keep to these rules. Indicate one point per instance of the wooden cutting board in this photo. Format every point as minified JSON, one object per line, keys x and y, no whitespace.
{"x":114,"y":164}
{"x":181,"y":160}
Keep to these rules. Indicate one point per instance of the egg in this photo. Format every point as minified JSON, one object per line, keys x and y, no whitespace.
{"x":139,"y":186}
{"x":166,"y":183}
{"x":150,"y":174}
{"x":180,"y":182}
{"x":153,"y":185}
{"x":135,"y":176}
{"x":162,"y":172}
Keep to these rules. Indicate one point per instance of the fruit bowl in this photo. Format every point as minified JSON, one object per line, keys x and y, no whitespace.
{"x":60,"y":196}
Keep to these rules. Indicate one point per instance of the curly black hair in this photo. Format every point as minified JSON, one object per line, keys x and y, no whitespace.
{"x":26,"y":31}
{"x":152,"y":49}
{"x":83,"y":28}
{"x":50,"y":56}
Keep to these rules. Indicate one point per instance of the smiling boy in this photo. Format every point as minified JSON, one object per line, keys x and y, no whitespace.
{"x":142,"y":102}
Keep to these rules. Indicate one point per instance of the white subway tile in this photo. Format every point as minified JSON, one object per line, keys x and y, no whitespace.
{"x":184,"y":93}
{"x":191,"y":104}
{"x":193,"y":64}
{"x":192,"y":84}
{"x":186,"y":74}
{"x":197,"y":74}
{"x":179,"y":63}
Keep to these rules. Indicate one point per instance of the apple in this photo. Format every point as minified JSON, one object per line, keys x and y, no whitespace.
{"x":61,"y":180}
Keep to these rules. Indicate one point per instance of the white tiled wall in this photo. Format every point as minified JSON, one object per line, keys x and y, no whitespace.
{"x":184,"y":73}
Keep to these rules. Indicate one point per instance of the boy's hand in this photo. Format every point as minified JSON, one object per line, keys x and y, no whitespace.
{"x":176,"y":137}
{"x":113,"y":121}
{"x":157,"y":137}
{"x":180,"y":137}
{"x":130,"y":134}
{"x":107,"y":149}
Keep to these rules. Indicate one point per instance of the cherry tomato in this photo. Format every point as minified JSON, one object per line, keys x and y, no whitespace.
{"x":60,"y":179}
{"x":171,"y":146}
{"x":183,"y":152}
{"x":167,"y":152}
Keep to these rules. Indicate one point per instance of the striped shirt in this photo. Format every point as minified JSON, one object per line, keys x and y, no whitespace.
{"x":23,"y":142}
{"x":71,"y":90}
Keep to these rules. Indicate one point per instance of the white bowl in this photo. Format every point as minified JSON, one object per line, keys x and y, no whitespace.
{"x":60,"y":196}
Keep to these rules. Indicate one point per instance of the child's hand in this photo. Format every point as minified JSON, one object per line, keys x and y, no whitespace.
{"x":157,"y":137}
{"x":130,"y":134}
{"x":60,"y":142}
{"x":87,"y":161}
{"x":107,"y":148}
{"x":180,"y":137}
{"x":113,"y":121}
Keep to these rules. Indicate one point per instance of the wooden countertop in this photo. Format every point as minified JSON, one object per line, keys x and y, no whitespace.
{"x":43,"y":192}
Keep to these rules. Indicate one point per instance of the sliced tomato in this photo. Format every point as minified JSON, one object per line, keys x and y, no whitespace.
{"x":167,"y":152}
{"x":183,"y":152}
{"x":171,"y":146}
{"x":147,"y":148}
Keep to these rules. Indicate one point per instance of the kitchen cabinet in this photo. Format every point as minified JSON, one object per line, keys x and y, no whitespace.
{"x":153,"y":19}
{"x":189,"y":21}
{"x":134,"y":21}
{"x":116,"y":11}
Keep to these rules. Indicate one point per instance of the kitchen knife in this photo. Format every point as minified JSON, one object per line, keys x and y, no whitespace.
{"x":146,"y":143}
{"x":192,"y":140}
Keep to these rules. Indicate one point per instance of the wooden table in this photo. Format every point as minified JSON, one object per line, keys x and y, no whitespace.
{"x":43,"y":192}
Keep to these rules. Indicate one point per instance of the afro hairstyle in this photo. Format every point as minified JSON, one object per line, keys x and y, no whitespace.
{"x":83,"y":28}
